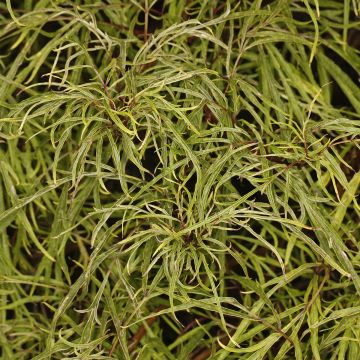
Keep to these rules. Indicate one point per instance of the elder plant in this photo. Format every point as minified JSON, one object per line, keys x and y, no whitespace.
{"x":179,"y":179}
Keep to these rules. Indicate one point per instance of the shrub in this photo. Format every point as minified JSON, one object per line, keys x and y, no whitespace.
{"x":178,"y":179}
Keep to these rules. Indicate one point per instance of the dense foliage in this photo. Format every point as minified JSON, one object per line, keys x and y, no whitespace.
{"x":178,"y":179}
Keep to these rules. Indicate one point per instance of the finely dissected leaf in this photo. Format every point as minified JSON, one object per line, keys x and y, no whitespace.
{"x":179,"y":179}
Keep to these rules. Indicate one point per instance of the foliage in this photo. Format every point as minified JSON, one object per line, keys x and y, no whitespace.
{"x":178,"y":179}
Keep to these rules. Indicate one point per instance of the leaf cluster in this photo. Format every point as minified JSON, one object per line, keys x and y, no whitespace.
{"x":179,"y":179}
